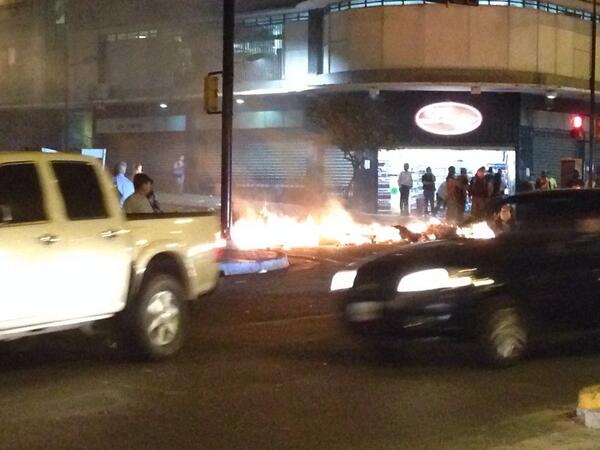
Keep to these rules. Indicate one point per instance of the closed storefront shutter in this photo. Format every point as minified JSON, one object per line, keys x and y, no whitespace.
{"x":549,"y":146}
{"x":338,"y":171}
{"x":266,"y":165}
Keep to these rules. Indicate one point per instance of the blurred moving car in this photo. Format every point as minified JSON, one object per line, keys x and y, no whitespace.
{"x":70,"y":258}
{"x":540,"y":275}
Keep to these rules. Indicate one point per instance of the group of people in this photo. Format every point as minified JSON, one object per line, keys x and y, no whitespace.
{"x":453,"y":193}
{"x":482,"y":187}
{"x":136,"y":197}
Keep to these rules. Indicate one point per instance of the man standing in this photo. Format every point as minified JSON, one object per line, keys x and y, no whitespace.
{"x":179,"y":173}
{"x":462,"y":187}
{"x":499,"y":184}
{"x":452,"y":197}
{"x":489,"y":181}
{"x":542,"y":183}
{"x":552,"y":183}
{"x":428,"y":180}
{"x":122,"y":183}
{"x":405,"y":183}
{"x":478,"y":189}
{"x":575,"y":182}
{"x":138,"y":203}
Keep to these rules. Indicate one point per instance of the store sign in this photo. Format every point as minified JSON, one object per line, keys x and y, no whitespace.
{"x":448,"y":118}
{"x":153,"y":124}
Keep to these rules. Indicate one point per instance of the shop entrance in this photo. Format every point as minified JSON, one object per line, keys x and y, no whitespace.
{"x":391,"y":163}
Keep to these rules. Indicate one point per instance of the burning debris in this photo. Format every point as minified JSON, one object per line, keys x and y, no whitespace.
{"x":334,"y":225}
{"x":434,"y":230}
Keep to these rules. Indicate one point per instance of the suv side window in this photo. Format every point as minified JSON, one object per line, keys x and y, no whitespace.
{"x":21,"y":196}
{"x":80,"y":190}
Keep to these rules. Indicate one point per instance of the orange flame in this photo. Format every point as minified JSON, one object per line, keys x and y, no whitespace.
{"x":479,"y":230}
{"x":266,"y":229}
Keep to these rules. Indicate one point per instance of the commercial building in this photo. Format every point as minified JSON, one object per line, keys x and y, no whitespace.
{"x":133,"y":82}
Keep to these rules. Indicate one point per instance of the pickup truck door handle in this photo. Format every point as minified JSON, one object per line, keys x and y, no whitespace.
{"x":49,"y":239}
{"x":110,"y":234}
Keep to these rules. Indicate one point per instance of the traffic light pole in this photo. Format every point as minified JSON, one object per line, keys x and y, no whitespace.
{"x":592,"y":97}
{"x":227,"y":116}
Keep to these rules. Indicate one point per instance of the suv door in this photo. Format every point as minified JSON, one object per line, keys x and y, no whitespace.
{"x":31,"y":250}
{"x":562,"y":272}
{"x":99,"y":251}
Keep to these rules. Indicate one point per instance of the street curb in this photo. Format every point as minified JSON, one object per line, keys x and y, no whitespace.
{"x":588,"y":406}
{"x":245,"y":267}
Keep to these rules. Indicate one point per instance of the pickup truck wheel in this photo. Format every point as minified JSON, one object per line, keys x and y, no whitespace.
{"x":157,"y":321}
{"x":503,"y":335}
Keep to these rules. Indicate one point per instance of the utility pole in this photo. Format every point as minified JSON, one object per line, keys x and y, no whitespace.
{"x":227,"y":116}
{"x":66,"y":88}
{"x":592,"y":97}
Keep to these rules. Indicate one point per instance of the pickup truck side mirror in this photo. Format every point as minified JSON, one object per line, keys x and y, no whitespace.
{"x":5,"y":214}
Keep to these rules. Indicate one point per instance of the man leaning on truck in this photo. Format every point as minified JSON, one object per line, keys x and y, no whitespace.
{"x":138,"y":203}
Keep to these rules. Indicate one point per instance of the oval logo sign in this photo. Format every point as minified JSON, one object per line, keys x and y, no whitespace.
{"x":448,"y":118}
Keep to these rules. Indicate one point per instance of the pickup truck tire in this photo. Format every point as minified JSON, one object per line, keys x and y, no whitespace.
{"x":155,"y":323}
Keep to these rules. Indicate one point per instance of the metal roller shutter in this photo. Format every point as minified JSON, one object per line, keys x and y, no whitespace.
{"x":264,"y":165}
{"x":338,"y":171}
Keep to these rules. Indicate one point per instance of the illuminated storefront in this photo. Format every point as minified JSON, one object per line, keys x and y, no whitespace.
{"x":442,"y":129}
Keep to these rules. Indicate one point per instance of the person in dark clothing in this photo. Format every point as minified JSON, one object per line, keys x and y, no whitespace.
{"x":498,"y":185}
{"x":478,"y":189}
{"x":428,"y":180}
{"x":575,"y":182}
{"x":542,"y":183}
{"x":462,"y":182}
{"x":489,"y":180}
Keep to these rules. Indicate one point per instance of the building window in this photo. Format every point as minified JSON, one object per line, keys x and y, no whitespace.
{"x":143,"y":34}
{"x":259,"y":52}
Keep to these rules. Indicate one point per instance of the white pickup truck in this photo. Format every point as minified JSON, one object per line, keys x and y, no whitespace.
{"x":70,"y":258}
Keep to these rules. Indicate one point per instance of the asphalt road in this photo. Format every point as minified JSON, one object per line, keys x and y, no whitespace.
{"x":269,"y":366}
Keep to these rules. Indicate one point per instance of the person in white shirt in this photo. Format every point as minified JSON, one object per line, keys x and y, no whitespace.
{"x":122,"y":183}
{"x":138,"y":203}
{"x":405,"y":182}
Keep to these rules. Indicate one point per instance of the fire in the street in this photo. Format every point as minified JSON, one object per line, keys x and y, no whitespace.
{"x":335,"y":226}
{"x":479,"y":230}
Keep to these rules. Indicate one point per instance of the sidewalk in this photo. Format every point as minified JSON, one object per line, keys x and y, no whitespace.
{"x":545,"y":430}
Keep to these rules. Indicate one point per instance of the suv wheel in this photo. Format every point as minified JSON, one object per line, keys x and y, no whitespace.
{"x":503,"y":336}
{"x":155,"y":324}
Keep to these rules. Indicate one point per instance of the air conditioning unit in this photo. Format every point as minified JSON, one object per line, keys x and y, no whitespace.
{"x":100,"y":91}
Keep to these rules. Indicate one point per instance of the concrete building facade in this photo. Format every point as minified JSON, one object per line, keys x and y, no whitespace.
{"x":127,"y":76}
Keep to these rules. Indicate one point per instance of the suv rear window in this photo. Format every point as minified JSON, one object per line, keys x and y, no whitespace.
{"x":80,"y":189}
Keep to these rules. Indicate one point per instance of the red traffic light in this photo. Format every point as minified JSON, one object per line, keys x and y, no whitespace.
{"x":576,"y":121}
{"x":576,"y":126}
